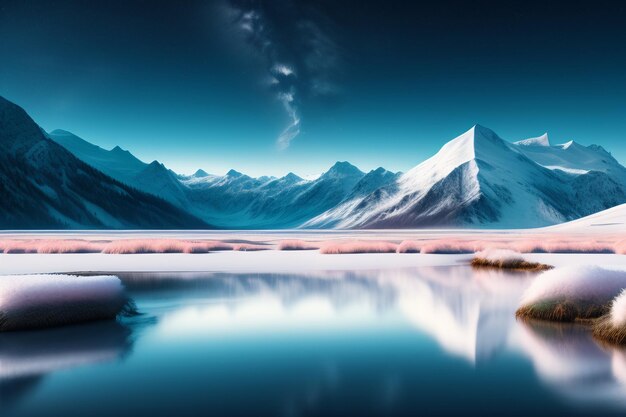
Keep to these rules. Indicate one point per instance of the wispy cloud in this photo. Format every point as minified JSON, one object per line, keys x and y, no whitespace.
{"x":300,"y":56}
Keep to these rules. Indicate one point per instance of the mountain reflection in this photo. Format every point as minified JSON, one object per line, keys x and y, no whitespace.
{"x":567,"y":357}
{"x":468,"y":313}
{"x":382,"y":336}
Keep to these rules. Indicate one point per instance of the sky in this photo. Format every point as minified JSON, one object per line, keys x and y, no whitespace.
{"x":268,"y":87}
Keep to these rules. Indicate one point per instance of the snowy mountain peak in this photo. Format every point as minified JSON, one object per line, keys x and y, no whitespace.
{"x":234,"y":174}
{"x":343,"y":169}
{"x":60,"y":132}
{"x":538,"y":141}
{"x":200,"y":174}
{"x":292,"y":177}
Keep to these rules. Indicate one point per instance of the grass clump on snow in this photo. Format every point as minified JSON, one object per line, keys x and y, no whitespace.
{"x":409,"y":246}
{"x":505,"y":259}
{"x":37,"y":301}
{"x":612,"y":326}
{"x":295,"y":244}
{"x":358,"y":246}
{"x":571,"y":293}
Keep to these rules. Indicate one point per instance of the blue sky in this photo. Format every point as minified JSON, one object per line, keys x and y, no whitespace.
{"x":268,"y":87}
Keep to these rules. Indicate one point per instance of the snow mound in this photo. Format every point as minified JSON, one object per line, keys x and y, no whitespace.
{"x":618,"y":310}
{"x":36,"y":301}
{"x":500,"y":255}
{"x":612,"y":327}
{"x":570,"y":293}
{"x":505,"y":259}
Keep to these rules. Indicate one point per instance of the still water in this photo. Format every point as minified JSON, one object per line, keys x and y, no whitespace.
{"x":424,"y":341}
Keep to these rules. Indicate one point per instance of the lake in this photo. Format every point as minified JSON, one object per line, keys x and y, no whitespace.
{"x":421,"y":341}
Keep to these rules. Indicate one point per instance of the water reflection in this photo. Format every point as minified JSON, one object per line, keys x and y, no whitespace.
{"x":569,"y":360}
{"x":469,"y":313}
{"x":373,"y":341}
{"x":27,"y":357}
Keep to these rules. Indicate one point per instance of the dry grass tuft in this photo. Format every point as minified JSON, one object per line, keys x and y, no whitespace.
{"x":358,"y":246}
{"x":606,"y":330}
{"x":295,"y":244}
{"x":517,"y":264}
{"x":563,"y":310}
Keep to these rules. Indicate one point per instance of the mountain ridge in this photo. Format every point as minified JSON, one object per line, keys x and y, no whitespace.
{"x":475,"y":180}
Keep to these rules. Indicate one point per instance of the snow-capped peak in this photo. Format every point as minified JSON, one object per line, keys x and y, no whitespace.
{"x":200,"y":173}
{"x":538,"y":141}
{"x":478,"y":142}
{"x":343,"y":169}
{"x":234,"y":174}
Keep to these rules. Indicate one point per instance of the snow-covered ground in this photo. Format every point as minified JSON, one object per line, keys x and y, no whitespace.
{"x":607,"y":228}
{"x":263,"y":261}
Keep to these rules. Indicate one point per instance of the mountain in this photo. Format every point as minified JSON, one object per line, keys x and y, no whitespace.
{"x":44,"y":186}
{"x":480,"y":180}
{"x":476,"y":180}
{"x":236,"y":200}
{"x":153,"y":178}
{"x":116,"y":163}
{"x":572,"y":157}
{"x":373,"y":186}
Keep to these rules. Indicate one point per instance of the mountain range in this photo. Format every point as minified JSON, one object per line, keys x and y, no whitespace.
{"x":58,"y":180}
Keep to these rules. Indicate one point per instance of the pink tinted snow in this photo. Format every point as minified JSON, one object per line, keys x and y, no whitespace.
{"x":409,"y":246}
{"x":295,"y":244}
{"x":357,"y":246}
{"x":452,"y":245}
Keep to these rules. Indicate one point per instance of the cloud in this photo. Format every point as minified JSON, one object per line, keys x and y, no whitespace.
{"x":298,"y":51}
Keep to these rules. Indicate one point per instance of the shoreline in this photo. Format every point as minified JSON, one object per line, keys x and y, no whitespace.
{"x":267,"y":261}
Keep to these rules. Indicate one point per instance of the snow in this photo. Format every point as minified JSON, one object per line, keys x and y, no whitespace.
{"x":538,"y":141}
{"x":618,"y":310}
{"x":577,"y":283}
{"x":575,"y":159}
{"x":476,"y":179}
{"x":611,"y":221}
{"x":32,"y":301}
{"x":481,"y":180}
{"x":499,"y":255}
{"x":263,"y":261}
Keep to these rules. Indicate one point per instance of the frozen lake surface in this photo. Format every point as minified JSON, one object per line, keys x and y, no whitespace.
{"x":439,"y":339}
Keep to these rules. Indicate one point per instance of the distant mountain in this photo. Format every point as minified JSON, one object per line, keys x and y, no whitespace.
{"x":44,"y":186}
{"x":572,"y":157}
{"x":480,"y":180}
{"x":476,"y":180}
{"x":236,"y":200}
{"x":153,"y":178}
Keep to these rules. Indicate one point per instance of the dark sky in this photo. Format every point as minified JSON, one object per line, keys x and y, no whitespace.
{"x":269,"y":87}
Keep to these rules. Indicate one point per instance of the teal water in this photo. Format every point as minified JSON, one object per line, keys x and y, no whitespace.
{"x":426,"y":341}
